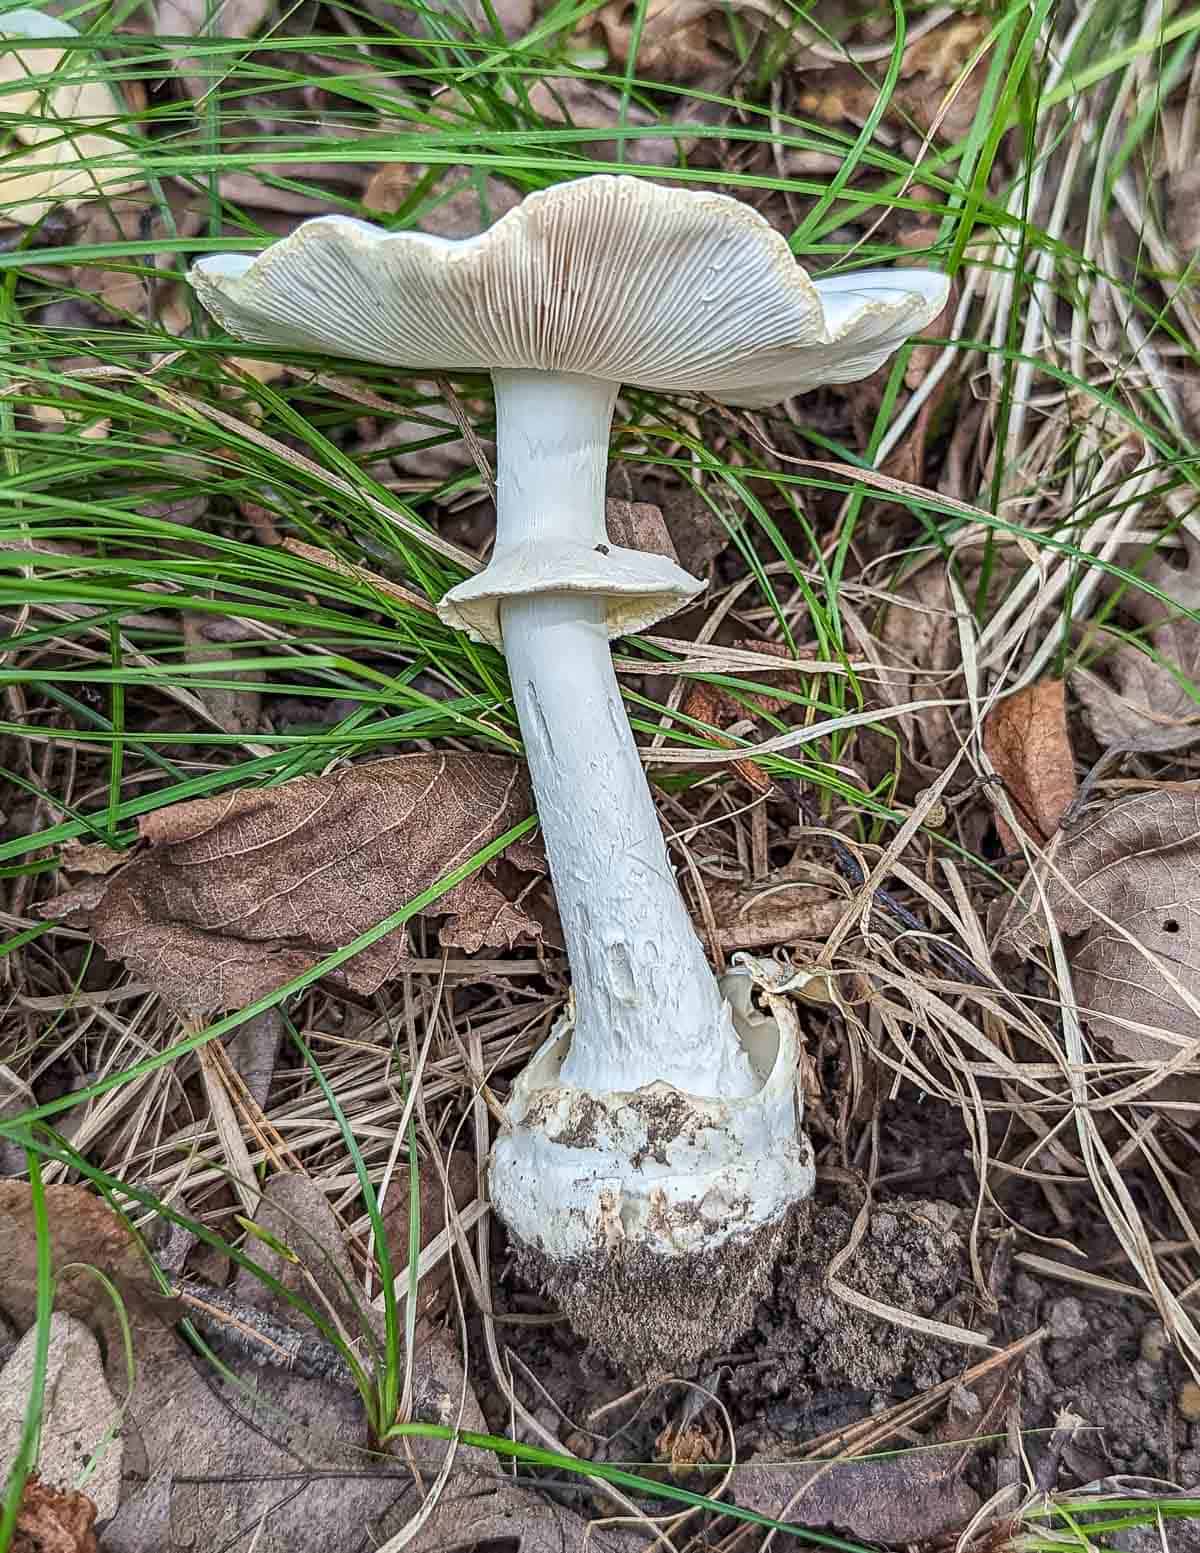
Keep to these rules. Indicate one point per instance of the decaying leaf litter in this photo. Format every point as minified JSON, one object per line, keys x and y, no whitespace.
{"x":1003,"y":1234}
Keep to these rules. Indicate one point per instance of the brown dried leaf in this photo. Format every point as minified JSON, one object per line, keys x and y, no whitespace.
{"x":513,"y":1518}
{"x":1026,"y":738}
{"x":675,"y":44}
{"x":219,"y":1461}
{"x":719,"y":709}
{"x":188,"y":18}
{"x":240,"y":894}
{"x":906,"y":461}
{"x":107,"y":294}
{"x":1183,"y":208}
{"x":193,"y":19}
{"x":207,"y":638}
{"x":911,"y":1498}
{"x":919,"y":635}
{"x":448,"y":210}
{"x":91,"y":857}
{"x":697,"y":533}
{"x":78,"y":1410}
{"x":930,"y":72}
{"x":475,"y":16}
{"x":437,"y":1287}
{"x":296,"y":1217}
{"x":53,"y":1522}
{"x":1146,"y":706}
{"x":682,"y":40}
{"x":1137,"y":863}
{"x":84,"y":1233}
{"x":585,"y":105}
{"x":250,"y":189}
{"x":638,"y":525}
{"x":780,"y":910}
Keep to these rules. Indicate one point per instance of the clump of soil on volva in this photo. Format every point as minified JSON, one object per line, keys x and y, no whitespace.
{"x":653,"y":1314}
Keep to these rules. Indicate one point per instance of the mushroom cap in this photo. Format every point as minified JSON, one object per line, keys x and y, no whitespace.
{"x":611,"y":277}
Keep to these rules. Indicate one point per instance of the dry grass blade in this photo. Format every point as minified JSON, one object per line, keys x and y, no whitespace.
{"x":214,"y":1067}
{"x":334,"y":563}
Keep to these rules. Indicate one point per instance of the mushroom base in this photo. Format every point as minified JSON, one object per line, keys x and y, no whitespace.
{"x":655,"y":1215}
{"x":654,"y":1314}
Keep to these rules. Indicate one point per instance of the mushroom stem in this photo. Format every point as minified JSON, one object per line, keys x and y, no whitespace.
{"x":647,"y":1007}
{"x":552,"y":431}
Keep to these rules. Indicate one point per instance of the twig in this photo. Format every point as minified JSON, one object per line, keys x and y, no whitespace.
{"x":259,"y":1337}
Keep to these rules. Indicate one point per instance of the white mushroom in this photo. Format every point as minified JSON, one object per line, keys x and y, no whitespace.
{"x":653,"y":1147}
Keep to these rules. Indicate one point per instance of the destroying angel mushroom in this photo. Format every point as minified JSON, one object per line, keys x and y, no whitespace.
{"x":653,"y":1146}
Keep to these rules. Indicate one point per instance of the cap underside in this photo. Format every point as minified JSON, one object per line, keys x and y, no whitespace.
{"x":610,"y":277}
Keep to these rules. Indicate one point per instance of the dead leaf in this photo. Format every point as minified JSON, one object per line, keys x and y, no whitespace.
{"x":209,"y":638}
{"x":195,"y":19}
{"x":15,"y":1098}
{"x":918,"y":635}
{"x":586,"y":105}
{"x":400,"y":444}
{"x":91,"y":857}
{"x":638,"y":525}
{"x":781,"y":909}
{"x":1183,"y":208}
{"x":681,"y":40}
{"x":240,"y":894}
{"x":698,"y":534}
{"x":295,"y":1213}
{"x":460,"y":204}
{"x":108,"y":295}
{"x":78,"y":1411}
{"x":930,"y":72}
{"x":273,"y":204}
{"x":905,"y":1498}
{"x":1027,"y":740}
{"x":258,"y":371}
{"x":84,"y":1233}
{"x":280,"y":1458}
{"x":253,"y":1048}
{"x":514,"y":17}
{"x":1136,"y":863}
{"x":863,"y":399}
{"x":906,"y":461}
{"x":83,"y":423}
{"x":1144,"y":705}
{"x":516,"y":1521}
{"x":279,"y":1461}
{"x":436,"y":1289}
{"x":56,"y":137}
{"x":720,"y":709}
{"x":53,"y":1522}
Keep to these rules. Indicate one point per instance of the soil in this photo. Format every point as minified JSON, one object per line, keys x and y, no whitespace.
{"x":1101,"y":1395}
